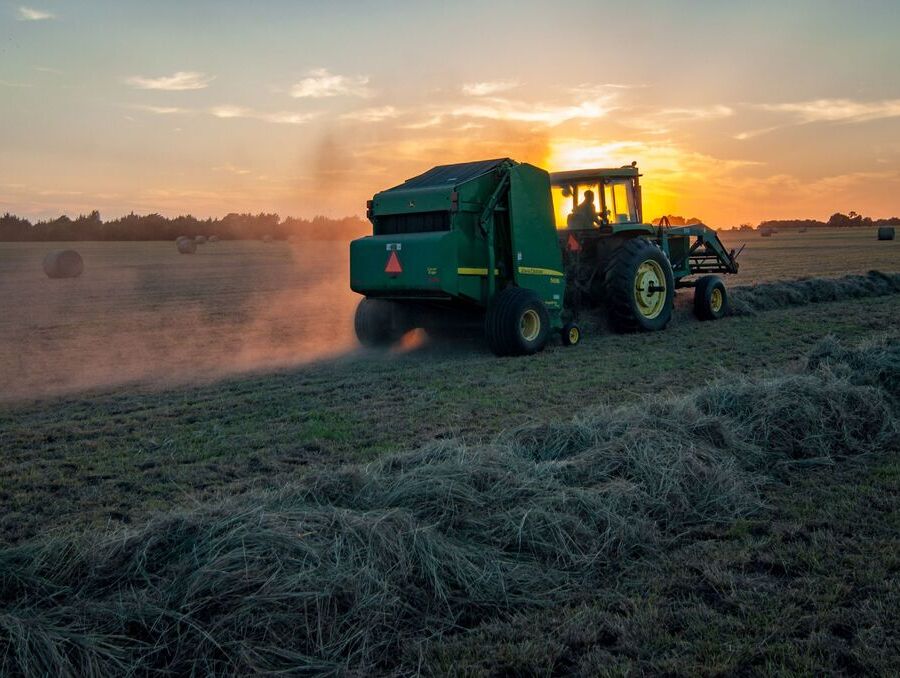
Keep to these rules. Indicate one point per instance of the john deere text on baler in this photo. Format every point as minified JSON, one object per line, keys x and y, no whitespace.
{"x":481,"y":240}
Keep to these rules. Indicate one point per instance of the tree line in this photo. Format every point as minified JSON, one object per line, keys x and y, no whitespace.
{"x":837,"y":220}
{"x":157,"y":227}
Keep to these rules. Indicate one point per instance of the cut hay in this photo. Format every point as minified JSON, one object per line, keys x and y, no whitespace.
{"x":63,"y":264}
{"x":775,"y":295}
{"x":349,"y":570}
{"x":885,"y":232}
{"x":186,"y":245}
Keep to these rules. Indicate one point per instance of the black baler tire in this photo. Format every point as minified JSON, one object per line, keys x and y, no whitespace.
{"x":376,"y":323}
{"x":619,"y":287}
{"x":703,"y":290}
{"x":502,"y":322}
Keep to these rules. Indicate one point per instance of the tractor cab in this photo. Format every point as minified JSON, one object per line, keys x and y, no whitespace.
{"x":596,"y":198}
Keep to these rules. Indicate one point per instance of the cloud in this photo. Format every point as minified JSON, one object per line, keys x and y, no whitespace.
{"x":320,"y":83}
{"x":547,"y":114}
{"x":372,"y":114}
{"x":825,"y":110}
{"x":29,"y":14}
{"x":480,"y":89}
{"x":180,"y":81}
{"x":162,"y":110}
{"x":231,"y":169}
{"x":837,"y":110}
{"x":9,"y":83}
{"x":432,"y":121}
{"x":281,"y":118}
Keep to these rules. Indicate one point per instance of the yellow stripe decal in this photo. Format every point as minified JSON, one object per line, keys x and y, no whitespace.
{"x":474,"y":271}
{"x":528,"y":270}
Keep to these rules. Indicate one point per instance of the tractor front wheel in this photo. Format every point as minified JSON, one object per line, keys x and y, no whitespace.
{"x":640,"y":287}
{"x":710,"y":298}
{"x":517,"y":323}
{"x":571,"y":334}
{"x":378,"y":323}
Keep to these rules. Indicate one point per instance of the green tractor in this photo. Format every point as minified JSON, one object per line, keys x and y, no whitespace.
{"x":482,"y":241}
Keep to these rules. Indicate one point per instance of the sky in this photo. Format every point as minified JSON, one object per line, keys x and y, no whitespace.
{"x":734,"y":111}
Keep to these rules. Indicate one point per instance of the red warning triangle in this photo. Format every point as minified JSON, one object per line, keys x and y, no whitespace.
{"x":393,"y":264}
{"x":573,"y":245}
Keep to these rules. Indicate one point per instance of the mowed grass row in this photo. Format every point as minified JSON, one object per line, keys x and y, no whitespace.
{"x":367,"y":568}
{"x":115,"y":458}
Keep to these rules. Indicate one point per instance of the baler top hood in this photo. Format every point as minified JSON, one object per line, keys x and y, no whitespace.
{"x":450,"y":175}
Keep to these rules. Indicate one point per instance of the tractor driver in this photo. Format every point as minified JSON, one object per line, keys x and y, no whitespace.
{"x":585,"y":215}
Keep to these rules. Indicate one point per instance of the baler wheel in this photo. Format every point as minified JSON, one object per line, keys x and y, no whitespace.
{"x":378,"y":323}
{"x":640,"y":287}
{"x":517,"y":323}
{"x":710,"y":298}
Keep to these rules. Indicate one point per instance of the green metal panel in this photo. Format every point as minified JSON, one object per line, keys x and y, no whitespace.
{"x":428,"y":261}
{"x":413,"y":200}
{"x":537,"y":260}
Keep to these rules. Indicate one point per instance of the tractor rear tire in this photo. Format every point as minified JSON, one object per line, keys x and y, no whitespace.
{"x":517,"y":323}
{"x":378,"y":323}
{"x":710,"y":298}
{"x":639,"y":287}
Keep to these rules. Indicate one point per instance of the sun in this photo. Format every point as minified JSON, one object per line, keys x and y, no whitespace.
{"x":568,"y":154}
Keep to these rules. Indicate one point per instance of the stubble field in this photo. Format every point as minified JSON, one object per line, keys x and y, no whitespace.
{"x":160,"y":385}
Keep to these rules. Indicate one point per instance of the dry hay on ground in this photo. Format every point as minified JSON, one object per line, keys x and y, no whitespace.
{"x":353,"y":567}
{"x":775,"y":295}
{"x":63,"y":264}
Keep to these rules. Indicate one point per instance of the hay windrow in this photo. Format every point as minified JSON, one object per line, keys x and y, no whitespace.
{"x":775,"y":295}
{"x":346,"y":570}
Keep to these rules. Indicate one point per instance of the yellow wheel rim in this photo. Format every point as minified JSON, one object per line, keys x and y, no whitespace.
{"x":650,"y":289}
{"x":574,"y":335}
{"x":715,"y":300}
{"x":530,"y":325}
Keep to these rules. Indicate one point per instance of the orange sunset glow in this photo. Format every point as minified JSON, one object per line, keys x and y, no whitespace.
{"x":312,"y":114}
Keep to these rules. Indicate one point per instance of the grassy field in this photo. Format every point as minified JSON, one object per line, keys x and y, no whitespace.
{"x":157,"y":383}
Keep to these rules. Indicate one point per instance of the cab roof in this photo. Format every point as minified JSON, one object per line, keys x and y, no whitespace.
{"x":575,"y":176}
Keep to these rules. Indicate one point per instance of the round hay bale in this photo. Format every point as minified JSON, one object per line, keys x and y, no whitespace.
{"x":267,"y":238}
{"x":63,"y":264}
{"x":200,"y":239}
{"x":213,"y":238}
{"x":186,"y":245}
{"x":885,"y":232}
{"x":766,"y":232}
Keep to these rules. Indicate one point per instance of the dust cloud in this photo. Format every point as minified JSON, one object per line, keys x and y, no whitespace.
{"x":143,"y":313}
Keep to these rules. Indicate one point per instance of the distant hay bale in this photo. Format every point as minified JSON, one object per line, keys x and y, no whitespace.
{"x":766,"y":232}
{"x":267,"y":238}
{"x":186,"y":245}
{"x":200,"y":239}
{"x":63,"y":264}
{"x":885,"y":232}
{"x":213,"y":238}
